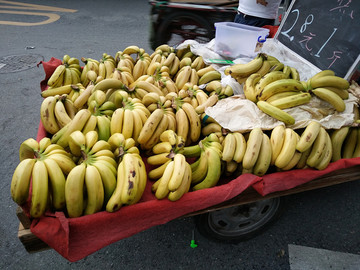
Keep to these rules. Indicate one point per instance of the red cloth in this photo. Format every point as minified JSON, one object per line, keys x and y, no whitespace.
{"x":76,"y":238}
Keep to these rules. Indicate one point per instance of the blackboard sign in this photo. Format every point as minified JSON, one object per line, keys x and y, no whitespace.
{"x":325,"y":33}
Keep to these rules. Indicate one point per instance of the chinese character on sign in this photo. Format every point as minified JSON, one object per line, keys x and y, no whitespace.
{"x":344,"y":6}
{"x":334,"y":57}
{"x":307,"y":40}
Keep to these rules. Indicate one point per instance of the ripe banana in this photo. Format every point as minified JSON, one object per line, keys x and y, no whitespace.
{"x":20,"y":182}
{"x":291,"y":101}
{"x":288,"y":149}
{"x":308,"y":136}
{"x":246,"y":69}
{"x":277,"y":140}
{"x":318,"y":149}
{"x":330,"y":80}
{"x":275,"y":112}
{"x":253,"y":146}
{"x":240,"y":147}
{"x":47,"y":115}
{"x":264,"y":159}
{"x":337,"y":139}
{"x":74,"y":189}
{"x":334,"y":99}
{"x":39,"y":189}
{"x":281,"y":85}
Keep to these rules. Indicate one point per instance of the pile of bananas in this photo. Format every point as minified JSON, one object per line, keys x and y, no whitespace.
{"x":133,"y":109}
{"x":274,"y":86}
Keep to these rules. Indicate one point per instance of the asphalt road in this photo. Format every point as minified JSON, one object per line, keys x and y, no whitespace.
{"x":327,"y":218}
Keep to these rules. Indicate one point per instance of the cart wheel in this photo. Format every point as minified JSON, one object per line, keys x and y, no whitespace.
{"x":180,"y":26}
{"x":240,"y":223}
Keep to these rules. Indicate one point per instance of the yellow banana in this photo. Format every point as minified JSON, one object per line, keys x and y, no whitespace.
{"x":162,"y":189}
{"x":20,"y":182}
{"x":318,"y":149}
{"x":281,"y":85}
{"x":332,"y":81}
{"x":94,"y":190}
{"x":229,"y":146}
{"x":150,"y":125}
{"x":253,"y":146}
{"x":326,"y":159}
{"x":39,"y":189}
{"x":240,"y":147}
{"x":288,"y":149}
{"x":74,"y":189}
{"x":267,"y":79}
{"x":56,"y":75}
{"x":249,"y":86}
{"x":178,"y":172}
{"x":184,"y":186}
{"x":308,"y":136}
{"x":264,"y":159}
{"x":47,"y":115}
{"x":275,"y":112}
{"x":337,"y":138}
{"x":334,"y":99}
{"x":194,"y":122}
{"x":246,"y":69}
{"x":28,"y":148}
{"x":276,"y":139}
{"x":291,"y":101}
{"x":57,"y":183}
{"x":209,"y":76}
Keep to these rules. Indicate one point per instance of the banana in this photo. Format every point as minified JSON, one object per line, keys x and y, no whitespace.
{"x":211,"y":101}
{"x":56,"y":76}
{"x":332,"y":81}
{"x":318,"y":149}
{"x":253,"y":146}
{"x":155,"y":137}
{"x":293,"y":161}
{"x":265,"y":68}
{"x":334,"y":99}
{"x":159,"y":159}
{"x":199,"y":172}
{"x":337,"y":139}
{"x":294,"y":74}
{"x":77,"y":123}
{"x":94,"y":190}
{"x":308,"y":136}
{"x":57,"y":183}
{"x":43,"y":144}
{"x":184,"y":186}
{"x":249,"y":86}
{"x":128,"y":124}
{"x":291,"y":101}
{"x":117,"y":119}
{"x":77,"y":143}
{"x":183,"y":128}
{"x":281,"y":85}
{"x":357,"y":147}
{"x":246,"y":69}
{"x":61,"y":114}
{"x":209,"y":76}
{"x":70,"y":108}
{"x":281,"y":95}
{"x":275,"y":112}
{"x":277,"y":140}
{"x":131,"y":179}
{"x":302,"y":161}
{"x":213,"y":169}
{"x":326,"y":72}
{"x":65,"y":162}
{"x":39,"y":189}
{"x":326,"y":159}
{"x":343,"y":93}
{"x":61,"y":90}
{"x":194,"y":122}
{"x":240,"y":147}
{"x":28,"y":148}
{"x":132,"y":49}
{"x":150,"y":125}
{"x":158,"y":172}
{"x":267,"y":79}
{"x":20,"y":182}
{"x":108,"y":83}
{"x":74,"y":189}
{"x":90,"y":124}
{"x":162,"y":189}
{"x":204,"y":70}
{"x":288,"y":149}
{"x":183,"y":77}
{"x":169,"y":136}
{"x":264,"y":159}
{"x":178,"y":172}
{"x":229,"y":146}
{"x":84,"y":96}
{"x":47,"y":115}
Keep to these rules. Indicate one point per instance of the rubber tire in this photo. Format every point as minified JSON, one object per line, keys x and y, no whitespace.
{"x":163,"y":34}
{"x":254,"y":218}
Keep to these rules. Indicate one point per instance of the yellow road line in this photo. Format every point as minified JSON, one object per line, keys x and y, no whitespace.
{"x":52,"y":18}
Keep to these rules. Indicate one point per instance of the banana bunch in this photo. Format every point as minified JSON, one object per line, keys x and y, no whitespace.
{"x":56,"y":112}
{"x":345,"y":143}
{"x":171,"y":61}
{"x":328,"y":87}
{"x":129,"y":119}
{"x":124,"y":74}
{"x":216,"y":88}
{"x":107,"y":66}
{"x":90,"y":71}
{"x":140,"y":88}
{"x":186,"y":74}
{"x":67,"y":73}
{"x":233,"y":150}
{"x":120,"y":146}
{"x":130,"y":184}
{"x":124,"y":60}
{"x":193,"y":94}
{"x":198,"y":63}
{"x":188,"y":121}
{"x":43,"y":167}
{"x":142,"y":61}
{"x":154,"y":126}
{"x":207,"y":168}
{"x":175,"y":180}
{"x":79,"y":122}
{"x":163,"y":152}
{"x":209,"y":76}
{"x":92,"y":182}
